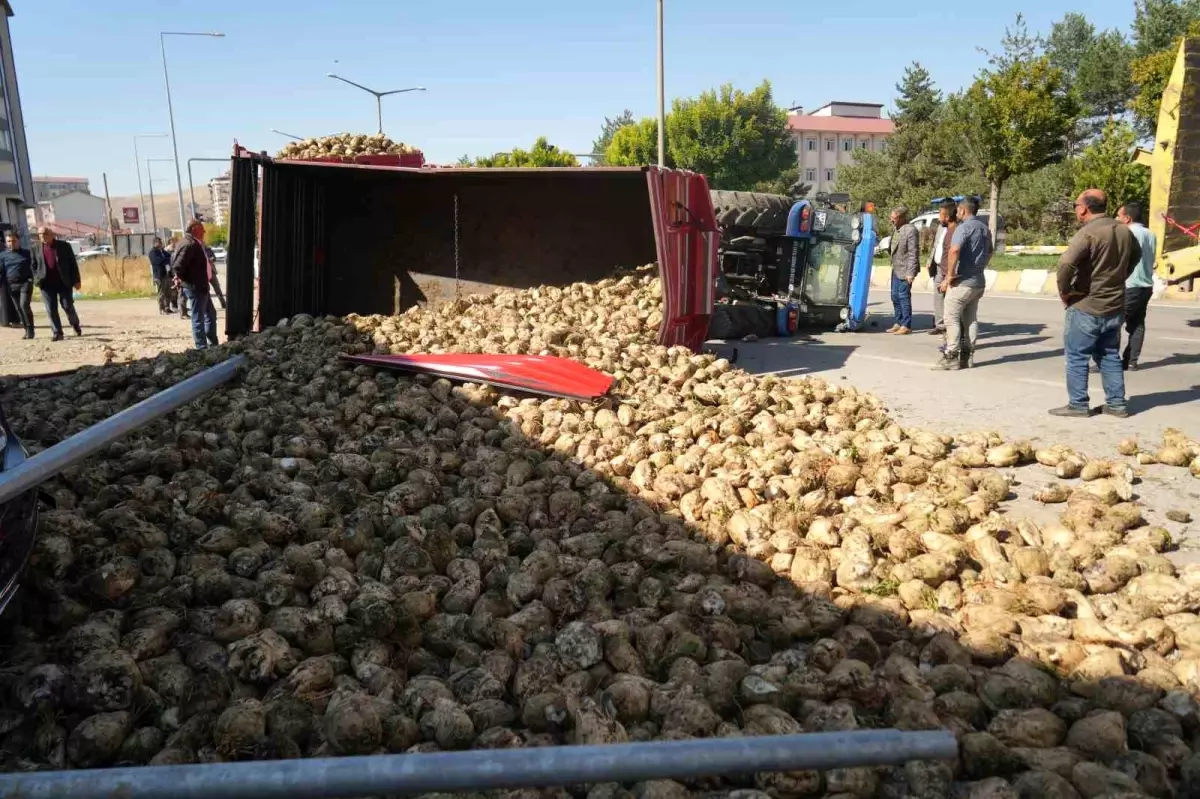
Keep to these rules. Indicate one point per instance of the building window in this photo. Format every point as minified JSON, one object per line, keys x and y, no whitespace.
{"x":828,"y":175}
{"x":847,"y":145}
{"x":812,"y":145}
{"x":883,"y":146}
{"x":829,"y":145}
{"x":864,"y":144}
{"x":810,"y":175}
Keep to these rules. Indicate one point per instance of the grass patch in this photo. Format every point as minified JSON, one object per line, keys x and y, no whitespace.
{"x":118,"y":295}
{"x":1002,"y":263}
{"x":110,"y":277}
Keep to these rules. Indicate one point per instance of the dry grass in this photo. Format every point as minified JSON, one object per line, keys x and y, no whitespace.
{"x":111,"y":276}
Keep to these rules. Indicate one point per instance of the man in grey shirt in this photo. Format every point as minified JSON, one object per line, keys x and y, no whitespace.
{"x":970,"y":252}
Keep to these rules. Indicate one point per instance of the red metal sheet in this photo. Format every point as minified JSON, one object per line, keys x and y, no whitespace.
{"x":537,"y":374}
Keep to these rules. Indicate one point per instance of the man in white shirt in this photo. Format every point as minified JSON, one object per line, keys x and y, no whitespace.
{"x":947,"y":219}
{"x":1140,"y":285}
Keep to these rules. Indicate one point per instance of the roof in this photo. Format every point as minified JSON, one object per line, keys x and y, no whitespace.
{"x":872,"y":125}
{"x":66,"y":227}
{"x":71,"y":194}
{"x":844,"y":102}
{"x":7,"y":8}
{"x":53,"y":179}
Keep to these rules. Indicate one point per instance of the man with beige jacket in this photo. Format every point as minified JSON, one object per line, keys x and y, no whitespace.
{"x":906,"y":264}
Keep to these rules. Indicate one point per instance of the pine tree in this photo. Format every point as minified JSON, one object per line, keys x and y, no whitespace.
{"x":918,"y":100}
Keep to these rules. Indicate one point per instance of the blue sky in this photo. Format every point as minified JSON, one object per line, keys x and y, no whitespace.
{"x":499,"y":74}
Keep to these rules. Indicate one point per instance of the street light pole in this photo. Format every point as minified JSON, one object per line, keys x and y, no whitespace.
{"x":162,"y":40}
{"x":150,"y":180}
{"x":137,"y":162}
{"x":662,"y":94}
{"x":286,"y":135}
{"x":378,"y":95}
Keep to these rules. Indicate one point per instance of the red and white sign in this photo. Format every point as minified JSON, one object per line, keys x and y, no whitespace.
{"x":131,"y":216}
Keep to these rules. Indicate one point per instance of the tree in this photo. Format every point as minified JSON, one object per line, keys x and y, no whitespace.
{"x":1040,"y":204}
{"x":216,"y":235}
{"x":607,"y":131}
{"x":1158,"y":24}
{"x":1103,"y":76}
{"x":1069,"y":42}
{"x":1107,"y":164}
{"x":736,"y":139}
{"x":788,"y":183}
{"x":1014,"y":120}
{"x":635,"y":145}
{"x":1149,"y":75}
{"x":1016,"y":47}
{"x":542,"y":154}
{"x":918,"y":100}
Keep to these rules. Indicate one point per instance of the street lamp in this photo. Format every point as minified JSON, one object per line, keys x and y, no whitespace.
{"x":137,"y":161}
{"x":378,"y":95}
{"x":150,"y":180}
{"x":162,"y":40}
{"x":662,"y":94}
{"x":286,"y":135}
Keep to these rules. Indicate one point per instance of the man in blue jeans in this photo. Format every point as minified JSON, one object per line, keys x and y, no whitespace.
{"x":190,"y":266}
{"x":906,"y":263}
{"x":1091,"y":282}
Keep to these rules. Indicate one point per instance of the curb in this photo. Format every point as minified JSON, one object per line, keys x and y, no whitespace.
{"x":1041,"y":282}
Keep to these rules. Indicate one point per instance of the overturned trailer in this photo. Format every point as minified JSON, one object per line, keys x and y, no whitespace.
{"x":336,"y":238}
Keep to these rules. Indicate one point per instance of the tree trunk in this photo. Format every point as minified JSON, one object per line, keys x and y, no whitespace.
{"x":994,"y":211}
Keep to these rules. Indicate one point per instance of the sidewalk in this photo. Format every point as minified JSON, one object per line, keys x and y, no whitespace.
{"x":1037,"y":282}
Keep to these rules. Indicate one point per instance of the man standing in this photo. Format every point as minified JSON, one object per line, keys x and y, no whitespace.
{"x":1140,"y":285}
{"x":57,"y":274}
{"x":947,"y":222}
{"x":190,"y":265}
{"x":906,"y":263}
{"x":963,"y":286}
{"x":16,"y":274}
{"x":1091,"y":282}
{"x":160,"y":271}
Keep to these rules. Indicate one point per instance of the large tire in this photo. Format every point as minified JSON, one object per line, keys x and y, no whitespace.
{"x":752,"y":212}
{"x":739,"y":321}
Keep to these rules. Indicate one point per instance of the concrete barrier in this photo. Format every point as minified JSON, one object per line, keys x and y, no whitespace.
{"x":1032,"y":281}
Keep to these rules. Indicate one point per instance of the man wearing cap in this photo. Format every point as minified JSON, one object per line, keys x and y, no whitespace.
{"x":57,"y":274}
{"x":190,"y":266}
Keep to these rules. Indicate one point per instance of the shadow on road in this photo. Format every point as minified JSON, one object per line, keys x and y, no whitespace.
{"x":1163,"y":399}
{"x":1178,"y":359}
{"x":995,"y":330}
{"x":1194,"y":322}
{"x":1019,"y":342}
{"x":793,"y":359}
{"x":1025,"y":356}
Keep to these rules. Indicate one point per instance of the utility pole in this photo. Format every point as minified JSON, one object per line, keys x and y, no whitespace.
{"x":162,"y":40}
{"x":137,"y":160}
{"x":662,"y":93}
{"x":378,"y":95}
{"x":112,"y":232}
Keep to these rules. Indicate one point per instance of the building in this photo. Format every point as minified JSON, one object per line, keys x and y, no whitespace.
{"x":219,"y":191}
{"x":830,"y":138}
{"x":46,"y":188}
{"x":16,"y":179}
{"x":75,"y":206}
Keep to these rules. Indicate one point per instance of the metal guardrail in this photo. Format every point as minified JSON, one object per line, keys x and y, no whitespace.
{"x":45,"y":465}
{"x":481,"y":770}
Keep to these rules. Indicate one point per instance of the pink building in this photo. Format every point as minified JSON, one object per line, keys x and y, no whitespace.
{"x":833,"y":135}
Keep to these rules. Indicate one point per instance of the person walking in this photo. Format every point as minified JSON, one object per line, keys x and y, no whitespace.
{"x":16,"y":275}
{"x":1140,"y":285}
{"x":906,"y":263}
{"x":190,"y":266}
{"x":178,"y":302}
{"x":214,"y":280}
{"x":57,"y":274}
{"x":1091,"y":282}
{"x":963,"y":286}
{"x":947,"y":222}
{"x":160,"y":271}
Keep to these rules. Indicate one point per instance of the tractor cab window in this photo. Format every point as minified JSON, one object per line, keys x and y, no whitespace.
{"x":825,"y":279}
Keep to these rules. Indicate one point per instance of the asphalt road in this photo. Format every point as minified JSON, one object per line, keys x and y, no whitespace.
{"x":1018,"y":377}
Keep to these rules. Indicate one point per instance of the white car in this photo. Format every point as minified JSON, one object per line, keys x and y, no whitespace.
{"x":219,"y":253}
{"x":930,"y":220}
{"x":87,"y":255}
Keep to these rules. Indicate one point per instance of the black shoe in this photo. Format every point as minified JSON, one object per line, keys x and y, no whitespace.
{"x":1120,"y":413}
{"x":1072,"y":412}
{"x":78,"y":331}
{"x":966,"y":359}
{"x":950,"y":362}
{"x":1132,"y":366}
{"x":28,"y":334}
{"x":57,"y":337}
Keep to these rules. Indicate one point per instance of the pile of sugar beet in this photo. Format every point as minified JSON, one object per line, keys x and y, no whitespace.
{"x":321,"y":559}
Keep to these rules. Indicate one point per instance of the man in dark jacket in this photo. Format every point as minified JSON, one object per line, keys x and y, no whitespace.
{"x":57,"y":274}
{"x":190,"y":266}
{"x":214,"y":281}
{"x":16,"y":274}
{"x":1091,"y":282}
{"x":160,"y":272}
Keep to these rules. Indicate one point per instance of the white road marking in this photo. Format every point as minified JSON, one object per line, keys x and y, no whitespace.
{"x":885,"y":359}
{"x":1193,"y":340}
{"x":1036,"y":382}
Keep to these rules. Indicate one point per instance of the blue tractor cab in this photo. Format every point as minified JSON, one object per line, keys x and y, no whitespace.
{"x":803,"y":265}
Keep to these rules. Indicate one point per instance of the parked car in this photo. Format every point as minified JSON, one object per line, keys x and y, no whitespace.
{"x":219,"y":253}
{"x":928,"y":221}
{"x":87,"y":255}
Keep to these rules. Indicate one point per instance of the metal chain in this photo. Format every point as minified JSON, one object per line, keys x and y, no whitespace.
{"x":457,"y":282}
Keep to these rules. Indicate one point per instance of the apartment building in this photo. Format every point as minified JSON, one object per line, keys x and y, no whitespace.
{"x":220,"y":190}
{"x":47,"y":187}
{"x":16,"y":179}
{"x":832,"y":136}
